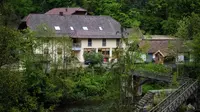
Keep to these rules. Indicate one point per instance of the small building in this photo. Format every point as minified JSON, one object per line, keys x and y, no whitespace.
{"x":68,"y":11}
{"x":164,"y":49}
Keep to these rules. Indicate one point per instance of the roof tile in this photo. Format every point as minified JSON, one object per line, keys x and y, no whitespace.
{"x":109,"y":25}
{"x":166,"y":46}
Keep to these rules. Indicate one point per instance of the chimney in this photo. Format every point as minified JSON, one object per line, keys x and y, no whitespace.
{"x":61,"y":13}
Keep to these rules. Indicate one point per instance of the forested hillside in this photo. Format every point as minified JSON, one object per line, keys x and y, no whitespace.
{"x":27,"y":84}
{"x":153,"y":16}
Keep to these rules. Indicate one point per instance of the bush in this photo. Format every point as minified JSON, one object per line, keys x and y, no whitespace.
{"x":153,"y":86}
{"x":14,"y":95}
{"x":85,"y":85}
{"x":156,"y":68}
{"x":93,"y":57}
{"x":189,"y":70}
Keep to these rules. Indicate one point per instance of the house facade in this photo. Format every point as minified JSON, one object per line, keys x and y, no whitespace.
{"x":163,"y":49}
{"x":101,"y":34}
{"x":105,"y":46}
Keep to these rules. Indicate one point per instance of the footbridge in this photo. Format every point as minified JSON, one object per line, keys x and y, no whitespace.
{"x":153,"y":75}
{"x":172,"y":101}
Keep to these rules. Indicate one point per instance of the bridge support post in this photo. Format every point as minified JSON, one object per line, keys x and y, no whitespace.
{"x":198,"y":99}
{"x":136,"y":85}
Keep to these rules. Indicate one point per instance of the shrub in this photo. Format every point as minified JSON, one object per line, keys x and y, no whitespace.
{"x":93,"y":57}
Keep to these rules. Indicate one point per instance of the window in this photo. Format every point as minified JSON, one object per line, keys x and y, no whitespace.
{"x":85,"y":28}
{"x":105,"y":52}
{"x":186,"y":57}
{"x":71,"y":28}
{"x":100,"y":28}
{"x":57,"y":27}
{"x":149,"y":57}
{"x":89,"y":42}
{"x":180,"y":58}
{"x":59,"y":50}
{"x":46,"y":50}
{"x":118,"y":42}
{"x":87,"y":50}
{"x":104,"y":42}
{"x":61,"y":13}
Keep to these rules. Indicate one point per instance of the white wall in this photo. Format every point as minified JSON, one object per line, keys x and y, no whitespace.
{"x":53,"y":46}
{"x":97,"y":43}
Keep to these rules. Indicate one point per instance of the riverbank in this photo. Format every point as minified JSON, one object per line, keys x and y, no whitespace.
{"x":85,"y":107}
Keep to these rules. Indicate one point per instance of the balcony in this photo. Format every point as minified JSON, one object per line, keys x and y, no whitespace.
{"x":76,"y":46}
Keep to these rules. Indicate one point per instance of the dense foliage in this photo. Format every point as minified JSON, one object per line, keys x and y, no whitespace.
{"x":29,"y":87}
{"x":9,"y":46}
{"x":153,"y":16}
{"x":33,"y":89}
{"x":93,"y":58}
{"x":189,"y":31}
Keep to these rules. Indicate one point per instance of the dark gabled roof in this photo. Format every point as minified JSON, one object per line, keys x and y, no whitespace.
{"x":159,"y":37}
{"x":110,"y":27}
{"x":66,"y":11}
{"x":168,"y":47}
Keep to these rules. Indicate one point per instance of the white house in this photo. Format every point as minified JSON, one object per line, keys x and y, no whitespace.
{"x":99,"y":33}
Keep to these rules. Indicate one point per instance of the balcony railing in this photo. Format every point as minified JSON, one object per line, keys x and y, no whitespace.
{"x":76,"y":46}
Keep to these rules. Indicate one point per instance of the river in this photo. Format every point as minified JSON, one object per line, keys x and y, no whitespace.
{"x":103,"y":107}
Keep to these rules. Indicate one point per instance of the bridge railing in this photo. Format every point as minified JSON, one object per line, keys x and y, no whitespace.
{"x":168,"y":100}
{"x":174,"y":100}
{"x":181,"y":98}
{"x":145,"y":99}
{"x":152,"y":75}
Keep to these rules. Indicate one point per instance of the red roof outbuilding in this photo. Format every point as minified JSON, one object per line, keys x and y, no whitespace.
{"x":68,"y":11}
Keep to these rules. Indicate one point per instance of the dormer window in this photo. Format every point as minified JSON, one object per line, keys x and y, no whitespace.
{"x":85,"y":28}
{"x":100,"y":28}
{"x":57,"y":28}
{"x":71,"y":28}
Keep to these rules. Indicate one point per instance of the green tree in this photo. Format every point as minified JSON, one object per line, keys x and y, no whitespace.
{"x":28,"y":88}
{"x":93,"y":58}
{"x":189,"y":27}
{"x":9,"y":46}
{"x":189,"y":31}
{"x":14,"y":96}
{"x":11,"y":11}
